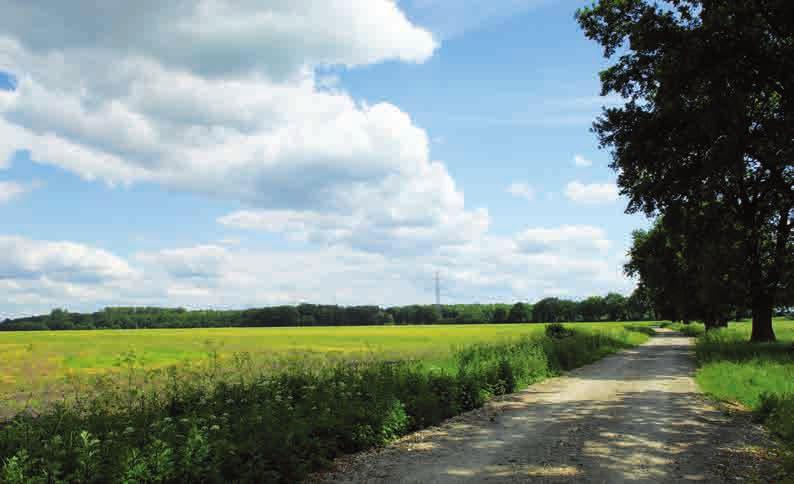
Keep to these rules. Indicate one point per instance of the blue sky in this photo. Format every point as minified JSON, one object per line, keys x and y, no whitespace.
{"x":252,"y":154}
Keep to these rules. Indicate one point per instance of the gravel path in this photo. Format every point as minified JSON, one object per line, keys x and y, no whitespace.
{"x":632,"y":417}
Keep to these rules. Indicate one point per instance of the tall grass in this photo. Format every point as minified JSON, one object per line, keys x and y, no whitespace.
{"x":757,"y":375}
{"x":223,"y":424}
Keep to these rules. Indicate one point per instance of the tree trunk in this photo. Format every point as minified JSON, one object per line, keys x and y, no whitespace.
{"x":764,"y":300}
{"x":762,"y":320}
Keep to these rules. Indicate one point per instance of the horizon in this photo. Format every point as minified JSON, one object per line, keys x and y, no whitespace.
{"x":305,"y":303}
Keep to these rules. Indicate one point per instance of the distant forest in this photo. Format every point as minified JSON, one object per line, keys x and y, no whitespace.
{"x":612,"y":307}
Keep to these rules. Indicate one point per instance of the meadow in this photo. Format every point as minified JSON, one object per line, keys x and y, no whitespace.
{"x":232,"y":417}
{"x":38,"y":362}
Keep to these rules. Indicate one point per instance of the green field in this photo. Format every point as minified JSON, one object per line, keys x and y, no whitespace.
{"x":308,"y":395}
{"x":37,"y":361}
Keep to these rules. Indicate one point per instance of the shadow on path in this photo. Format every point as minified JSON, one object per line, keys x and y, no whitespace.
{"x":632,"y":417}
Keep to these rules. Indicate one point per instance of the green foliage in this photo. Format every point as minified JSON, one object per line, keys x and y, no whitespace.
{"x":220,"y":424}
{"x":558,"y":331}
{"x":683,"y":270}
{"x":615,"y":307}
{"x":16,"y":469}
{"x":519,"y":313}
{"x":549,"y":310}
{"x":703,"y":141}
{"x":780,"y":416}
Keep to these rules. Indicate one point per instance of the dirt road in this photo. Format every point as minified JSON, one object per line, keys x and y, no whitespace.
{"x":632,"y":417}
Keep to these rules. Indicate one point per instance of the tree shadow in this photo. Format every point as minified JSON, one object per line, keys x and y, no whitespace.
{"x":632,"y":417}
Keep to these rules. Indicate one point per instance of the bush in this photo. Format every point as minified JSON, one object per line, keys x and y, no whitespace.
{"x":558,"y":331}
{"x":205,"y":427}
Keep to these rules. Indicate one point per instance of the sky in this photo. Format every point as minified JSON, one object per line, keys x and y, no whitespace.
{"x":228,"y":154}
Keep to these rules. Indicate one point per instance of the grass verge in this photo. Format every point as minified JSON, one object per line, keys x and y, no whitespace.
{"x":758,"y":376}
{"x":219,"y":426}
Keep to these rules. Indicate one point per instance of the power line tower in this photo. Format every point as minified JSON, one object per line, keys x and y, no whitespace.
{"x":438,"y":293}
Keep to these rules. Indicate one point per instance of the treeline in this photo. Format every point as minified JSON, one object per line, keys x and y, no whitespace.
{"x":612,"y":307}
{"x":703,"y":145}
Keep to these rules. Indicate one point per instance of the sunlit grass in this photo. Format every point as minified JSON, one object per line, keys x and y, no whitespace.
{"x":734,"y":369}
{"x":33,"y":361}
{"x":758,"y":376}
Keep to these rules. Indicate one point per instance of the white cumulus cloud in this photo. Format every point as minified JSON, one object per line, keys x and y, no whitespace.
{"x":26,"y":259}
{"x":223,"y":99}
{"x":36,"y":276}
{"x":580,"y":160}
{"x":220,"y":38}
{"x":563,"y":238}
{"x":521,"y":190}
{"x":591,"y":193}
{"x":239,"y":100}
{"x":10,"y":190}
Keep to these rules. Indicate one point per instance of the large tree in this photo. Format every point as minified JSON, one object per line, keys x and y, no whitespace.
{"x":662,"y":273}
{"x":708,"y":120}
{"x":686,"y":271}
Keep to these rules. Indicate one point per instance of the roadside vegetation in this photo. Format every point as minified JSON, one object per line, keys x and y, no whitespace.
{"x":230,"y":421}
{"x":758,"y":376}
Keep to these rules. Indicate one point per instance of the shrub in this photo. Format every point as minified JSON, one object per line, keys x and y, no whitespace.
{"x":558,"y":331}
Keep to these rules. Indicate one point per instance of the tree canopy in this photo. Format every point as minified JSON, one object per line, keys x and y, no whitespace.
{"x":704,"y":138}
